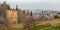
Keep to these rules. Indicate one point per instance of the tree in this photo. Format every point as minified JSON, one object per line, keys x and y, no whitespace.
{"x":56,"y":16}
{"x":28,"y":21}
{"x":3,"y":20}
{"x":31,"y":13}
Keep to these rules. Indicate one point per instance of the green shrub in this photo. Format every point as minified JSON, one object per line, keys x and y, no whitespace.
{"x":56,"y":16}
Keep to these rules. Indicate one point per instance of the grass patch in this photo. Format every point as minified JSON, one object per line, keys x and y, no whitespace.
{"x":16,"y":25}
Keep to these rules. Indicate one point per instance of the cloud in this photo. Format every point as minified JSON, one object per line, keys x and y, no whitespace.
{"x":34,"y":4}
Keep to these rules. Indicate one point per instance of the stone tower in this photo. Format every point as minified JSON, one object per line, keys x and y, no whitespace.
{"x":11,"y":16}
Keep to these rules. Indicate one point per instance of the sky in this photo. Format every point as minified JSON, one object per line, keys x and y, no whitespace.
{"x":34,"y":4}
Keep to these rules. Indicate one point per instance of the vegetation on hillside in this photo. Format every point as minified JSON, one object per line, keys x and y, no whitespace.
{"x":56,"y":16}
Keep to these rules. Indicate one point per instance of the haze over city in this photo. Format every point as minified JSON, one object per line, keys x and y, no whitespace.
{"x":34,"y":4}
